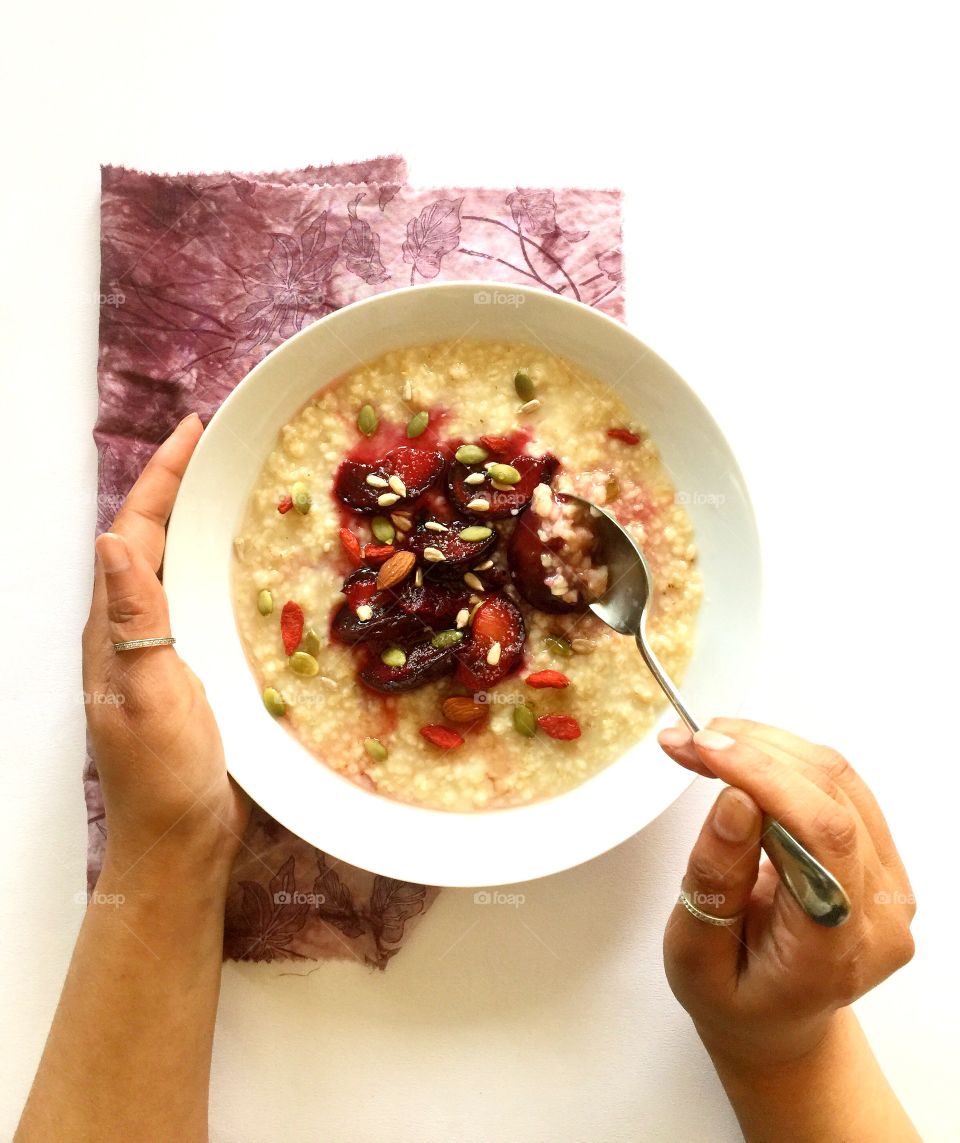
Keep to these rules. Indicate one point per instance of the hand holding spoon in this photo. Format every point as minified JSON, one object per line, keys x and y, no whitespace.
{"x":624,"y":608}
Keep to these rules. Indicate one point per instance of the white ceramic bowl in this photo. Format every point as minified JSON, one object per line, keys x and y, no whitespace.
{"x":421,"y":845}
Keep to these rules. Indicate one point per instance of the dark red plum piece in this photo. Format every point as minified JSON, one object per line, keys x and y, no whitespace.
{"x":457,"y":553}
{"x":434,"y":603}
{"x":418,"y":469}
{"x":497,"y":620}
{"x":526,"y":553}
{"x":424,"y":664}
{"x":387,"y":621}
{"x":503,"y":503}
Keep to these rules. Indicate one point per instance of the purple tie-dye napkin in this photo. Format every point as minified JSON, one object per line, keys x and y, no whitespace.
{"x":201,"y":276}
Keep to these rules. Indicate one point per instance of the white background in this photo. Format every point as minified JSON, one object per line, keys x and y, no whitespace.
{"x":792,"y":252}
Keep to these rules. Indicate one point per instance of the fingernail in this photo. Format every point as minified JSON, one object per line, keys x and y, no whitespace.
{"x":113,"y":552}
{"x":188,"y":417}
{"x":734,"y":816}
{"x":674,"y":737}
{"x":713,"y":740}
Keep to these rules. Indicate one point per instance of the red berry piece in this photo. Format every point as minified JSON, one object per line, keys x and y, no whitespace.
{"x":378,"y":553}
{"x":351,"y":545}
{"x":291,"y":626}
{"x":442,"y":736}
{"x":542,"y":679}
{"x":286,"y":503}
{"x":624,"y":435}
{"x":559,"y":726}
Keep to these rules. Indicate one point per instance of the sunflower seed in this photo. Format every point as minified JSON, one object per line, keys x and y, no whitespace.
{"x":397,"y":485}
{"x":376,"y":481}
{"x":493,"y":655}
{"x":472,"y":582}
{"x":434,"y":555}
{"x":479,"y":505}
{"x":436,"y":526}
{"x":386,"y":499}
{"x":463,"y":617}
{"x":364,"y":612}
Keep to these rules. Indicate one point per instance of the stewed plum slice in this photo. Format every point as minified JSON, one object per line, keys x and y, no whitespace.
{"x":370,"y":613}
{"x":413,"y":471}
{"x":433,"y":603}
{"x":502,"y":501}
{"x":551,"y":555}
{"x":495,"y":646}
{"x":462,"y":543}
{"x":424,"y":663}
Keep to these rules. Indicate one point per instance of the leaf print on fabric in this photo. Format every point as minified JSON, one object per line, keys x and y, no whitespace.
{"x":267,"y":918}
{"x":287,"y":287}
{"x":334,"y":902}
{"x":360,"y":247}
{"x":432,"y":234}
{"x":611,"y":263}
{"x":392,"y":904}
{"x":535,"y":212}
{"x":387,"y":194}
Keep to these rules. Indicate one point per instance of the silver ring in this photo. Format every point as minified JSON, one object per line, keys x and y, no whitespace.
{"x":137,"y":644}
{"x":721,"y":922}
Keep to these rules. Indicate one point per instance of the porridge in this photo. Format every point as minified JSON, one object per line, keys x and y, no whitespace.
{"x":411,"y":586}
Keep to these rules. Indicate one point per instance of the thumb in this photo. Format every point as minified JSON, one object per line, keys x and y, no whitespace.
{"x":135,"y":601}
{"x":719,"y":880}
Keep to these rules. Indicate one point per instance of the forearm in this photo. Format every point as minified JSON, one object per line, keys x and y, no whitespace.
{"x":832,"y":1094}
{"x":128,"y":1055}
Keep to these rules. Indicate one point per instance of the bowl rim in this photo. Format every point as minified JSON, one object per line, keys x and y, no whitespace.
{"x":413,"y":860}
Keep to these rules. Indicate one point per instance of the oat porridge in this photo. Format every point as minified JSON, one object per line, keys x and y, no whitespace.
{"x":411,"y":587}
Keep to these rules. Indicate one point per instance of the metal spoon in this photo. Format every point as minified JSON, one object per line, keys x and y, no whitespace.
{"x":624,"y":608}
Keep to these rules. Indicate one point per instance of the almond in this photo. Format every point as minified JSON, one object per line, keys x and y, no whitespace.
{"x":398,"y":567}
{"x":462,"y":709}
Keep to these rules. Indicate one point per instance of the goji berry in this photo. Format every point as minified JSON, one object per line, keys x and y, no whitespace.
{"x":351,"y":545}
{"x":442,"y":736}
{"x":623,"y":435}
{"x":560,"y":726}
{"x":377,"y":553}
{"x":542,"y":679}
{"x":291,"y":626}
{"x":286,"y":503}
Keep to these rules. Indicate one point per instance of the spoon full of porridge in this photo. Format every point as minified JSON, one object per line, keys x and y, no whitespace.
{"x":623,"y":604}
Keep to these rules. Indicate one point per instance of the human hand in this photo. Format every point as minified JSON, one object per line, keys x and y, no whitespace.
{"x":765,"y":991}
{"x":157,"y":748}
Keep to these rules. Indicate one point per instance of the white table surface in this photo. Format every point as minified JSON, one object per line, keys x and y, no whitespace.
{"x":792,"y":250}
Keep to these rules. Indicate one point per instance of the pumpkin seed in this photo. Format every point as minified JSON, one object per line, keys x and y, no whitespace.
{"x":393,"y":657}
{"x":265,"y":602}
{"x":471,"y":454}
{"x":377,"y":751}
{"x":504,"y":474}
{"x":524,"y":720}
{"x":273,"y":701}
{"x":476,"y":533}
{"x":524,"y":386}
{"x":311,"y":642}
{"x":302,"y":663}
{"x":444,"y":639}
{"x":418,"y":423}
{"x":383,"y":530}
{"x":302,"y":500}
{"x":368,"y":420}
{"x":557,"y":645}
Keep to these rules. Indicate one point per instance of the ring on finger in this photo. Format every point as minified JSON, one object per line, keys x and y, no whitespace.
{"x":708,"y":918}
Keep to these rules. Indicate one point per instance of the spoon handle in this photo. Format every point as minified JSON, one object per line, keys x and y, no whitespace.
{"x":814,"y":888}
